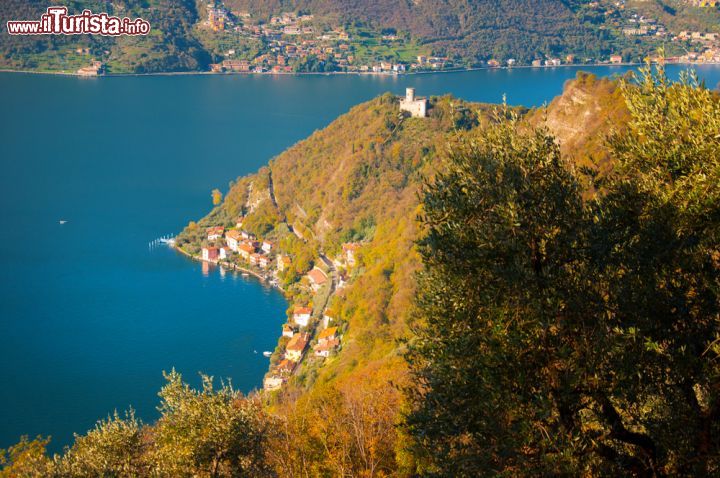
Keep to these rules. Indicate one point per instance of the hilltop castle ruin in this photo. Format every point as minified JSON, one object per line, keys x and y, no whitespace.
{"x":417,"y":107}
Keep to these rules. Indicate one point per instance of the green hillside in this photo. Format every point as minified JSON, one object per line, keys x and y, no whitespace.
{"x":359,"y":36}
{"x":480,"y":29}
{"x":169,"y":47}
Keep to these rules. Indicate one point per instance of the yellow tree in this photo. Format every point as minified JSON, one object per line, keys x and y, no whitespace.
{"x":216,"y":197}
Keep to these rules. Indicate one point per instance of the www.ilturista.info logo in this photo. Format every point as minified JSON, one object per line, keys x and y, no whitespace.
{"x":57,"y":22}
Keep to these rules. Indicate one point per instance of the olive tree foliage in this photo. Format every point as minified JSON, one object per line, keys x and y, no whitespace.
{"x":113,"y":448}
{"x":501,"y":219}
{"x":568,"y":337}
{"x":656,"y":259}
{"x":200,"y":433}
{"x":26,"y":459}
{"x":207,"y":432}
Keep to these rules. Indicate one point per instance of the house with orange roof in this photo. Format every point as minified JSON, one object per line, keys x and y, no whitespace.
{"x":317,"y":278}
{"x":288,"y":330}
{"x":285,"y":367}
{"x":301,"y":316}
{"x":245,"y":250}
{"x":327,"y":334}
{"x":296,"y":347}
{"x":233,"y":239}
{"x":264,"y":261}
{"x":215,"y":232}
{"x":326,"y":347}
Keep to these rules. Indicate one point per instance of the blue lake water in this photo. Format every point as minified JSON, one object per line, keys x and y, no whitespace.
{"x":89,"y":315}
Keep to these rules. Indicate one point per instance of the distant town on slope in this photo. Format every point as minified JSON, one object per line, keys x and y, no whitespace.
{"x":385,"y":37}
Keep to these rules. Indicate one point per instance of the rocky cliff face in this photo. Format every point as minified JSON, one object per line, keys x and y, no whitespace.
{"x":582,"y":117}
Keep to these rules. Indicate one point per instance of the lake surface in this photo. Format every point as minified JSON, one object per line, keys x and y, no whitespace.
{"x":89,"y":315}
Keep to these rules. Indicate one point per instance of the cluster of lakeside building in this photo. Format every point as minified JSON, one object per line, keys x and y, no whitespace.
{"x":290,"y":39}
{"x":700,"y":47}
{"x":292,"y":43}
{"x":309,"y":332}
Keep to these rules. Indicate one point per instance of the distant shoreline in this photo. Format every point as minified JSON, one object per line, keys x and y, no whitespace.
{"x":343,"y":73}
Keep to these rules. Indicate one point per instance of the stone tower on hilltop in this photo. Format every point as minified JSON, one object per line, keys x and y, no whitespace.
{"x":417,"y":107}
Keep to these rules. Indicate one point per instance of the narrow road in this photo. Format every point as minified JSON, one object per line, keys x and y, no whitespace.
{"x":271,"y":188}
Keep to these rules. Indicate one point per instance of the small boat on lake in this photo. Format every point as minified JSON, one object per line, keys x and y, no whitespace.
{"x":267,"y":354}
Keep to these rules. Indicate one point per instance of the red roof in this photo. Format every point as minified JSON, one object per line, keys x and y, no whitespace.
{"x":298,"y":343}
{"x":246,"y":248}
{"x":302,"y":310}
{"x":317,"y":276}
{"x":233,"y":235}
{"x":327,"y":345}
{"x":286,"y":365}
{"x":327,"y":333}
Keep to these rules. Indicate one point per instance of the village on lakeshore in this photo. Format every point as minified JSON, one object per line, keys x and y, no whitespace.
{"x":293,"y":42}
{"x":291,"y":39}
{"x":311,"y":333}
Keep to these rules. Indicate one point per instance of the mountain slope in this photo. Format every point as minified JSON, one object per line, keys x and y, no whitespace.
{"x":477,"y":29}
{"x":170,"y":46}
{"x":358,"y":180}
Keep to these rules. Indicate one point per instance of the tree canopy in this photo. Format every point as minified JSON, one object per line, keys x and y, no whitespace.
{"x":564,"y":336}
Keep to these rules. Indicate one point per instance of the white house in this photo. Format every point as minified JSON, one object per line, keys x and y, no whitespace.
{"x":301,"y":316}
{"x":214,"y":233}
{"x":233,"y":238}
{"x":288,"y":330}
{"x":273,"y":382}
{"x":349,"y":250}
{"x":317,"y":278}
{"x":267,"y":246}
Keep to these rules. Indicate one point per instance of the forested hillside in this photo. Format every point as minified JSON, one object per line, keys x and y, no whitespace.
{"x":282,"y":36}
{"x":478,"y":29}
{"x":170,"y":46}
